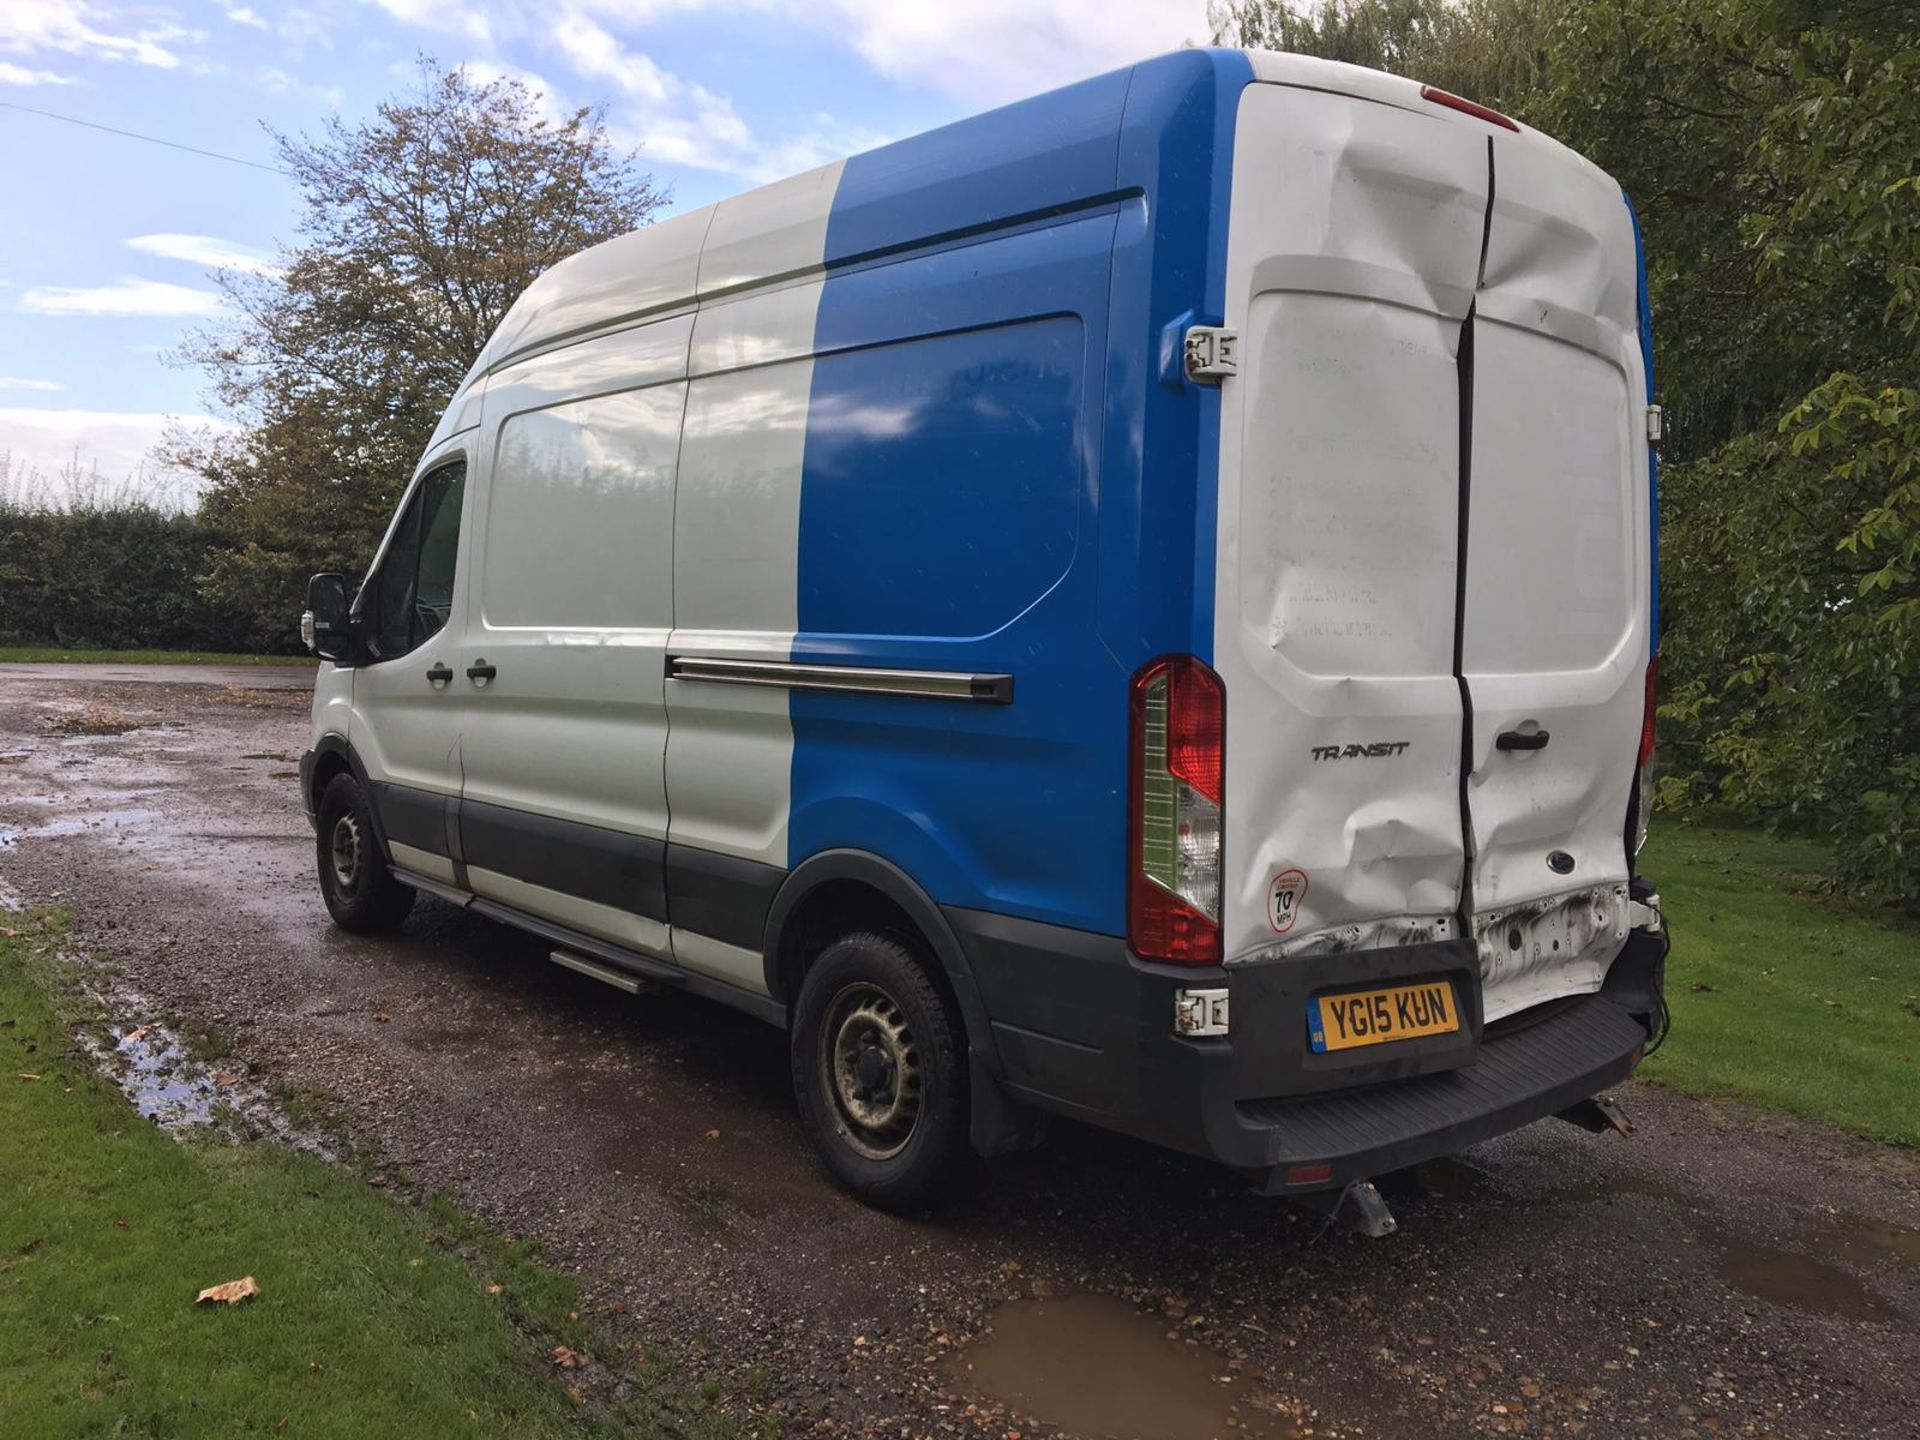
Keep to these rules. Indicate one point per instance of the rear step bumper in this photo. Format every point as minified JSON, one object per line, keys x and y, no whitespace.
{"x":1520,"y":1076}
{"x":1079,"y":1028}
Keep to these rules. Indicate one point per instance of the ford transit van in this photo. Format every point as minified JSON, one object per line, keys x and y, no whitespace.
{"x":1138,"y":607}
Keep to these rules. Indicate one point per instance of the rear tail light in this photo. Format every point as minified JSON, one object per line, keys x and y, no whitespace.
{"x":1643,"y":774}
{"x":1465,"y":106}
{"x":1178,"y":757}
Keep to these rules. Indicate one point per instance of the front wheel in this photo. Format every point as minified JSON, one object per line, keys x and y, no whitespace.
{"x":879,"y":1069}
{"x":361,"y":893}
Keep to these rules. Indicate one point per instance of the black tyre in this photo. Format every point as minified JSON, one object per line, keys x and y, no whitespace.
{"x":880,"y":1071}
{"x":361,"y":893}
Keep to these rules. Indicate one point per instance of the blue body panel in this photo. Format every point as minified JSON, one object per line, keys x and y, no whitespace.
{"x":1176,"y":153}
{"x":995,"y":469}
{"x":1038,"y":157}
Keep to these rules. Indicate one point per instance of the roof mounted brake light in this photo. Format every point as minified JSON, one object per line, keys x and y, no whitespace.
{"x":1465,"y":106}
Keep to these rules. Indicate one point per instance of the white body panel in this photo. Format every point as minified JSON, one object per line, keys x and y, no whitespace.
{"x":737,"y":522}
{"x":1351,"y":262}
{"x":1555,"y":635}
{"x":730,"y":756}
{"x":1360,"y":243}
{"x":615,"y":509}
{"x":405,"y":727}
{"x":572,"y":598}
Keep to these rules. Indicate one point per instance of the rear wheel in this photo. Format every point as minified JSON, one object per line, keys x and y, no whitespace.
{"x":879,"y":1069}
{"x":361,"y":893}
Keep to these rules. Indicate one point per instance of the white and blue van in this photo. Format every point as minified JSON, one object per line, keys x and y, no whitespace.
{"x":1138,"y":606}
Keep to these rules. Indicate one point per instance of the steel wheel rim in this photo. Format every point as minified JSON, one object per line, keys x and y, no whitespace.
{"x":870,"y":1069}
{"x":344,"y":852}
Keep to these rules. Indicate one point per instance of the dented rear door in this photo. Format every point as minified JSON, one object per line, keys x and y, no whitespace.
{"x":1557,"y":601}
{"x":1354,"y":250}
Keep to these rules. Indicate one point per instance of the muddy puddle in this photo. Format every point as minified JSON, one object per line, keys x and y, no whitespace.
{"x":1855,"y":1240}
{"x":66,"y":816}
{"x":1801,"y":1282}
{"x":1097,"y":1367}
{"x":1820,"y":1278}
{"x":164,"y":1085}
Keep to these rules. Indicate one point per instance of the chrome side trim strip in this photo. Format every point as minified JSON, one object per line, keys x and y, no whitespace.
{"x":860,"y":680}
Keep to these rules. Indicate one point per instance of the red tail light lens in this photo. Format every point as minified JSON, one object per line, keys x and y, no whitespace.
{"x":1197,"y":729}
{"x":1465,"y":106}
{"x":1646,"y":722}
{"x":1178,"y":764}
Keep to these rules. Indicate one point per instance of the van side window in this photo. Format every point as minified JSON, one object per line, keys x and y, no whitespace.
{"x":579,"y":518}
{"x":412,"y":595}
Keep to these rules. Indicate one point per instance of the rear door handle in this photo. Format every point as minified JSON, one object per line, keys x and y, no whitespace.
{"x":1520,"y":740}
{"x":439,"y":675}
{"x":481,"y":670}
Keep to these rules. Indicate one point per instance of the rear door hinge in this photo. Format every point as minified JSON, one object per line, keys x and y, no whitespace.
{"x":1656,"y":422}
{"x":1212,"y":353}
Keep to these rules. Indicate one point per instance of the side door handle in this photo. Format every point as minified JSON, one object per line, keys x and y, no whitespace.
{"x":481,"y":670}
{"x":439,"y":675}
{"x":1520,"y":740}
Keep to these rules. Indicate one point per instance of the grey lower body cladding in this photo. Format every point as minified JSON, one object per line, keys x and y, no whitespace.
{"x":1077,"y":1027}
{"x":1085,"y":1030}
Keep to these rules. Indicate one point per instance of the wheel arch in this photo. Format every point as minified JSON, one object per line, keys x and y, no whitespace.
{"x":840,"y":873}
{"x":333,"y":754}
{"x":999,"y":1125}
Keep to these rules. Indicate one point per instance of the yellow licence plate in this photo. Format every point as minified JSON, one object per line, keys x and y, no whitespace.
{"x":1375,"y":1017}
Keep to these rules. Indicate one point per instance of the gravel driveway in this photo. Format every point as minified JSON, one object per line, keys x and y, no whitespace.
{"x":1721,"y":1272}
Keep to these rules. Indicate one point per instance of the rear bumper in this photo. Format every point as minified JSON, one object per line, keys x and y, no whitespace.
{"x":1082,"y":1029}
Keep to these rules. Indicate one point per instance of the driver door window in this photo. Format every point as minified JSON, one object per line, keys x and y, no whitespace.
{"x":413,"y":593}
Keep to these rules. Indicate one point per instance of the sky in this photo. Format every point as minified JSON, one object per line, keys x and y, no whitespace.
{"x":110,"y":242}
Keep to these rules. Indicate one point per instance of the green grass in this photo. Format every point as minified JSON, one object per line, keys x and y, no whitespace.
{"x":53,"y":654}
{"x":1779,"y":997}
{"x":374,"y":1317}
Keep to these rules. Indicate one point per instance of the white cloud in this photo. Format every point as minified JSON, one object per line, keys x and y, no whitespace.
{"x":301,"y":28}
{"x":241,"y":15}
{"x":76,"y":27}
{"x":992,"y":51}
{"x":981,"y":52}
{"x":676,"y":121}
{"x":462,"y":17}
{"x":14,"y":382}
{"x":129,"y":295}
{"x":116,"y":441}
{"x":276,"y":81}
{"x":207,"y":251}
{"x":11,"y":74}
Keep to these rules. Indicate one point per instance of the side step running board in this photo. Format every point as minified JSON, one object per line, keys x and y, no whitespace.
{"x":606,"y":974}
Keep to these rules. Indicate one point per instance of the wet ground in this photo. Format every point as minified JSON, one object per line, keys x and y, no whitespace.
{"x":1721,"y":1272}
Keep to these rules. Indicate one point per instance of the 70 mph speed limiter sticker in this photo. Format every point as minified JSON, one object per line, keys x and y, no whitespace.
{"x":1289,"y":888}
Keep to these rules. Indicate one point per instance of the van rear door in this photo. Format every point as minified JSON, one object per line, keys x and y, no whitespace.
{"x":1433,"y":534}
{"x":1555,"y":627}
{"x":1353,"y":252}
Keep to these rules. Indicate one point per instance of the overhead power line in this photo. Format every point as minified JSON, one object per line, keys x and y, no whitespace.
{"x":150,"y":139}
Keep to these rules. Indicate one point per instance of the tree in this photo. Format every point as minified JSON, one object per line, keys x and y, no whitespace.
{"x":420,"y":227}
{"x":1492,"y":51}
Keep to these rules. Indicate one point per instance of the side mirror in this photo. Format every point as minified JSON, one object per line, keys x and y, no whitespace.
{"x":324,"y":627}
